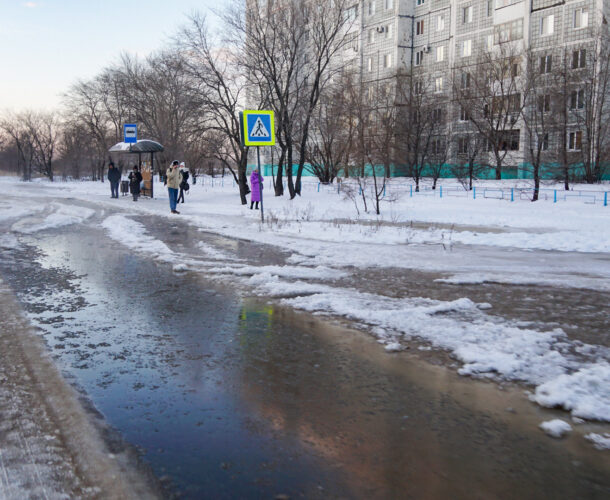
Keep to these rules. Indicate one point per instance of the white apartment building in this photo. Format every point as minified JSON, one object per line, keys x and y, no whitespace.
{"x":434,"y":37}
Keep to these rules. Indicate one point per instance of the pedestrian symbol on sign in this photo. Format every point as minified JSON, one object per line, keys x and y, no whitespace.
{"x":259,"y":129}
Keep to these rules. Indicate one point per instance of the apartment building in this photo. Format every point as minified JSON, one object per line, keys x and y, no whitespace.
{"x":438,"y":39}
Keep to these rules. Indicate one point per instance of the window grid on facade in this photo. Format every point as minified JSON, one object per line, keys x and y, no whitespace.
{"x":419,"y":57}
{"x":577,"y":99}
{"x":371,"y":8}
{"x":467,"y":14}
{"x":387,"y":61}
{"x":544,"y":103}
{"x":419,"y":27}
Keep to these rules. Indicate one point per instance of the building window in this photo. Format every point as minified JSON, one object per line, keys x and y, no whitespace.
{"x":546,"y":64}
{"x":369,"y":64}
{"x":419,"y":87}
{"x":465,"y":80}
{"x":388,"y":31}
{"x":489,"y":42}
{"x":438,"y":84}
{"x":419,"y":57}
{"x":579,"y":59}
{"x":490,"y":8}
{"x":467,"y":14}
{"x":421,"y":2}
{"x":547,"y":25}
{"x":464,"y":115}
{"x":440,"y":53}
{"x":577,"y":99}
{"x":419,"y":27}
{"x":544,"y":103}
{"x":466,"y":48}
{"x":437,"y":115}
{"x":575,"y":141}
{"x":371,"y":8}
{"x":509,"y":140}
{"x":462,"y":145}
{"x":515,"y":69}
{"x":352,"y":13}
{"x":507,"y":32}
{"x":544,"y":142}
{"x":387,"y":61}
{"x":581,"y":19}
{"x":371,"y":36}
{"x":440,"y":22}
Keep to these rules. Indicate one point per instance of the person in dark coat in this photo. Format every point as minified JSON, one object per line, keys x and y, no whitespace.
{"x":135,"y":179}
{"x":184,"y":184}
{"x":114,"y":177}
{"x":256,"y":182}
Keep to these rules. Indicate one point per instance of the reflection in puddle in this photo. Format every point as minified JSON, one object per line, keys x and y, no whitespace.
{"x":235,"y":398}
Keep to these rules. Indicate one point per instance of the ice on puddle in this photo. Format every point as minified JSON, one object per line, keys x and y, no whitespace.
{"x":394,"y":347}
{"x":556,"y":428}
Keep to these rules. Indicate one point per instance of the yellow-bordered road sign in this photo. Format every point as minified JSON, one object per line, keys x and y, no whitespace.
{"x":258,"y":128}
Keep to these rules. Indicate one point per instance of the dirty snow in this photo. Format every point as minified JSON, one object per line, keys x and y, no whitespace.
{"x":600,"y":442}
{"x":556,"y":428}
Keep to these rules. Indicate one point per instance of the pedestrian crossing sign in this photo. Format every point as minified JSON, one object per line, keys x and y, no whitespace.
{"x":258,"y":128}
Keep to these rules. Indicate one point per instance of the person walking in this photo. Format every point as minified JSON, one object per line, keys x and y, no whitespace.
{"x":135,"y":179}
{"x":173,"y":184}
{"x":114,"y":177}
{"x":184,"y":185}
{"x":256,"y":181}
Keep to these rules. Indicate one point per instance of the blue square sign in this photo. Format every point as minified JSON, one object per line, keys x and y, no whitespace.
{"x":130,"y":133}
{"x":258,"y":128}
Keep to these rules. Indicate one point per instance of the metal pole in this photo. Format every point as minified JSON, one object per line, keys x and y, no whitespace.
{"x":152,"y":175}
{"x":260,"y":182}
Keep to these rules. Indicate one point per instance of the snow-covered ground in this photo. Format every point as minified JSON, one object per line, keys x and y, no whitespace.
{"x":565,"y":244}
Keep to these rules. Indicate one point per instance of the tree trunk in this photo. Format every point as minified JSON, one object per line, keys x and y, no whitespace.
{"x":243,"y":181}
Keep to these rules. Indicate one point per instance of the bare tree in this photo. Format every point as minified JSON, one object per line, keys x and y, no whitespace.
{"x":220,"y":89}
{"x":490,"y":91}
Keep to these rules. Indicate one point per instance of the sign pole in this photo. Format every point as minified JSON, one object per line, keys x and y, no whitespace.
{"x":260,"y":182}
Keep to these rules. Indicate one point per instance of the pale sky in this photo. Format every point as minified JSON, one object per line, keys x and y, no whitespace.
{"x":47,"y":45}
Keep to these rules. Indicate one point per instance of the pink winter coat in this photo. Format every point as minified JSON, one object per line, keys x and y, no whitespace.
{"x":254,"y":183}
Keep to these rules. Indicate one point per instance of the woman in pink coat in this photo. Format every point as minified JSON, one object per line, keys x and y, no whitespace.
{"x":256,"y":182}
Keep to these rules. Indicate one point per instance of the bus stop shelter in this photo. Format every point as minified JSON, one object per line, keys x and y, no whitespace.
{"x":142,"y":147}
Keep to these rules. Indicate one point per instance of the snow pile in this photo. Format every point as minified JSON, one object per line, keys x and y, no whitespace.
{"x":214,"y":253}
{"x":556,"y":428}
{"x":295,"y":272}
{"x":133,"y":235}
{"x":63,"y":215}
{"x":600,"y":442}
{"x":586,"y":392}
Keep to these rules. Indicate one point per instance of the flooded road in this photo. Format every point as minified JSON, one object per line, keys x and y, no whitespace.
{"x":232,"y":397}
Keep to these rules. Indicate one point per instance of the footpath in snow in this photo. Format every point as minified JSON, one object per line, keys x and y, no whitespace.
{"x":472,"y":241}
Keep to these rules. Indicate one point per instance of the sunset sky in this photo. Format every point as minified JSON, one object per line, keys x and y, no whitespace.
{"x":47,"y":45}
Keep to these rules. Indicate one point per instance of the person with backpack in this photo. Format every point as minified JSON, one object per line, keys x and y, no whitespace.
{"x":184,"y":185}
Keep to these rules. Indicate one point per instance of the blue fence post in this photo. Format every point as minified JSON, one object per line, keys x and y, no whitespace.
{"x":338,"y":187}
{"x":441,"y":191}
{"x":384,"y":190}
{"x":359,"y":190}
{"x":512,"y":194}
{"x":606,"y":199}
{"x":555,"y":196}
{"x":474,"y":193}
{"x":411,"y":186}
{"x":318,"y":187}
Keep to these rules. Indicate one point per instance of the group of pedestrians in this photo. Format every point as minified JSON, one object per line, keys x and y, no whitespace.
{"x":135,"y":181}
{"x":176,"y":179}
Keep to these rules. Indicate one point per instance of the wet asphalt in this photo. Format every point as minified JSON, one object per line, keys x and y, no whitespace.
{"x":229,"y":396}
